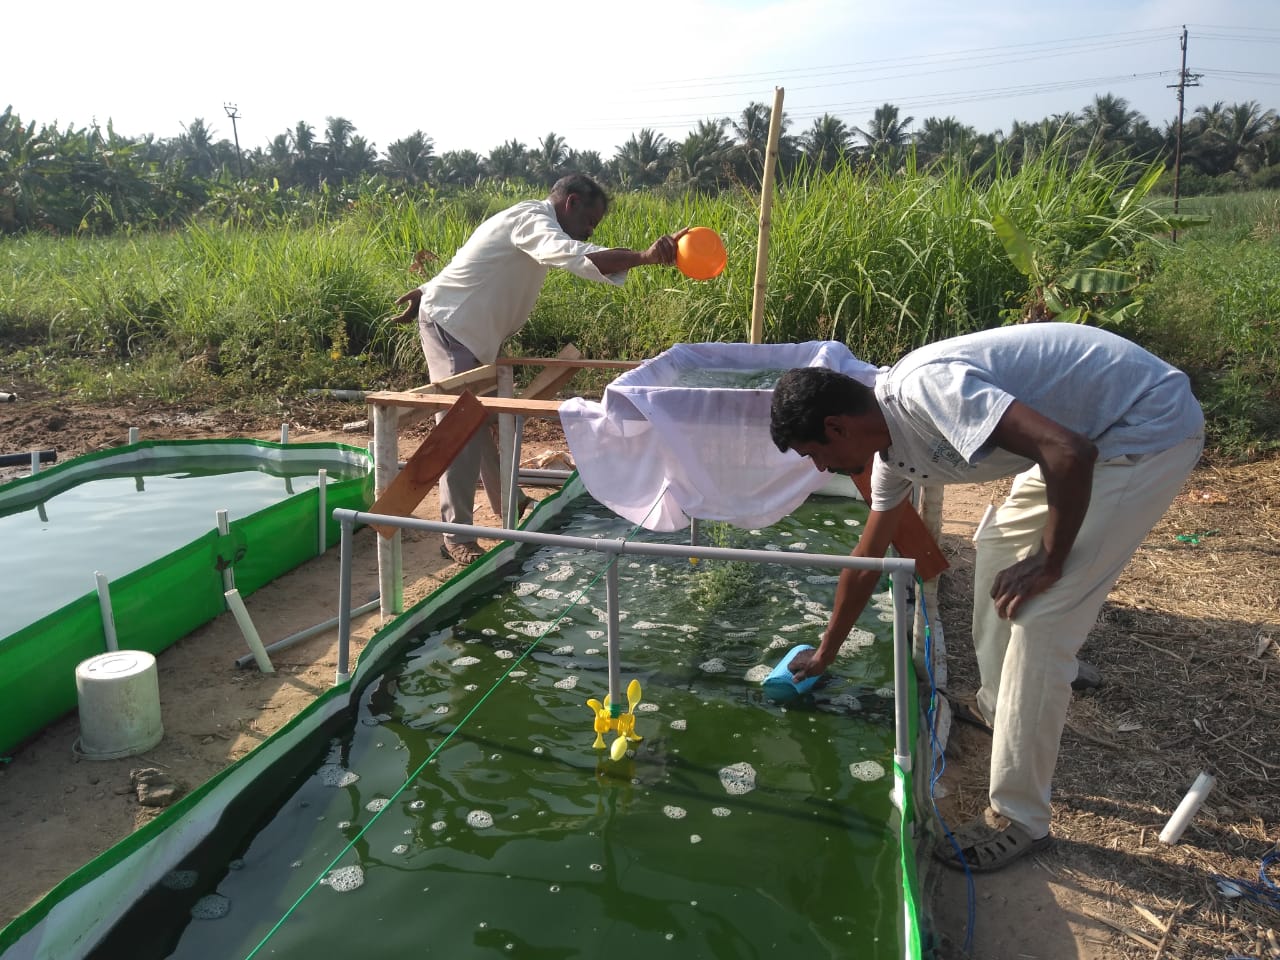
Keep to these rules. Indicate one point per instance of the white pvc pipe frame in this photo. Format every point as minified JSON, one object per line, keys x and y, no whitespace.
{"x":901,"y":569}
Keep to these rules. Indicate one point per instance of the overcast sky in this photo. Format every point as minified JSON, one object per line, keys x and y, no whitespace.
{"x":473,"y":74}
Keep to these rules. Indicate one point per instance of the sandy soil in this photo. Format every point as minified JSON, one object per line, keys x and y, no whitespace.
{"x":1106,"y":891}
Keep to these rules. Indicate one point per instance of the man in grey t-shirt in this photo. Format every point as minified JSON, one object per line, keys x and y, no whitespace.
{"x":1101,"y":434}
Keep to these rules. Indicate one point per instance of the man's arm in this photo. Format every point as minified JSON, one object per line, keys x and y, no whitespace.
{"x":852,"y":593}
{"x":412,"y":300}
{"x":662,"y":252}
{"x":1066,"y":461}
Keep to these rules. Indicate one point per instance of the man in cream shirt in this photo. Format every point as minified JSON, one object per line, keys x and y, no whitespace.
{"x":486,"y":294}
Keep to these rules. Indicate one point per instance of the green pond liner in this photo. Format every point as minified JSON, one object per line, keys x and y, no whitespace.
{"x":159,"y":602}
{"x":446,"y":800}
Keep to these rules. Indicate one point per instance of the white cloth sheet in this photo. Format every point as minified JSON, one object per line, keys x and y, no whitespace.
{"x":658,"y":451}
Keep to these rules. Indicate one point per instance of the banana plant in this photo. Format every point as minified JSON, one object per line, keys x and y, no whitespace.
{"x":1071,"y":284}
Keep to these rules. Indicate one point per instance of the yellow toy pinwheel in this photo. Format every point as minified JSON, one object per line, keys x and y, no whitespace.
{"x":609,"y":717}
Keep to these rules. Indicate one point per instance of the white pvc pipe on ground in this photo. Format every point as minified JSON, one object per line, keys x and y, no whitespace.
{"x":1192,"y":802}
{"x":236,"y":603}
{"x":104,"y":604}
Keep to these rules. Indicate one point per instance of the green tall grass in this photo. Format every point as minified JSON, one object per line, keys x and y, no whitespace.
{"x":883,"y":261}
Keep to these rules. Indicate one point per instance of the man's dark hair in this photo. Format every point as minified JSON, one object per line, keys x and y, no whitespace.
{"x":806,"y":396}
{"x":582,"y":185}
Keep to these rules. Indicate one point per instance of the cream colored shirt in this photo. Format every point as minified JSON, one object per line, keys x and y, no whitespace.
{"x":488,"y":290}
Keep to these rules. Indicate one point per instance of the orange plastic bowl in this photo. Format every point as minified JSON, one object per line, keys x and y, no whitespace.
{"x":700,"y":254}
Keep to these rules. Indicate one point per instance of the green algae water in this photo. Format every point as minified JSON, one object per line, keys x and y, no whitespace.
{"x":704,"y":377}
{"x":117,"y":522}
{"x":736,"y":828}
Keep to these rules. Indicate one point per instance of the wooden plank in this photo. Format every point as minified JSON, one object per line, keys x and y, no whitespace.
{"x":913,"y":539}
{"x":559,"y":362}
{"x":428,"y":463}
{"x":521,"y":407}
{"x":548,"y":383}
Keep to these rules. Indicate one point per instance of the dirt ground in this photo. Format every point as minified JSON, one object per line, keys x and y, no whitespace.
{"x":1188,"y":645}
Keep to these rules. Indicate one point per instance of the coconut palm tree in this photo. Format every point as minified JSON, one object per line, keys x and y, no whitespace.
{"x":1108,"y":121}
{"x":945,"y":137}
{"x":643,"y":161}
{"x":828,"y":142}
{"x":701,"y":161}
{"x":462,"y":168}
{"x":752,"y":132}
{"x":886,"y":135}
{"x":547,"y":159}
{"x":411,"y":159}
{"x":509,"y":161}
{"x":586,"y":161}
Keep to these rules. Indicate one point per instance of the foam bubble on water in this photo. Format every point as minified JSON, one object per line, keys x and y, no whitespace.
{"x":855,"y":643}
{"x":758,"y":673}
{"x":549,"y":593}
{"x":564,"y":572}
{"x":595,"y":634}
{"x":591,"y":652}
{"x":646,"y":625}
{"x":850,"y":522}
{"x":212,"y":906}
{"x":442,"y":709}
{"x":714,"y":665}
{"x":798,"y":546}
{"x":772,"y":546}
{"x":400,"y":848}
{"x":885,"y":616}
{"x":489,"y":632}
{"x":866,"y":770}
{"x":885,"y":693}
{"x":814,"y":608}
{"x":720,"y":811}
{"x":694,"y":838}
{"x":778,"y":643}
{"x":674,"y":812}
{"x":679,"y":724}
{"x":562,"y":651}
{"x":573,"y":596}
{"x":530,"y":628}
{"x":821,"y":579}
{"x":418,"y":805}
{"x":373,"y":806}
{"x":793,"y":627}
{"x":471,"y":687}
{"x":465,"y":661}
{"x":554,"y":888}
{"x":504,"y":654}
{"x":738,"y":778}
{"x":439,"y":826}
{"x":646,"y":707}
{"x":334,"y":775}
{"x":345,"y":879}
{"x":539,"y":751}
{"x":828,"y":523}
{"x":685,"y":628}
{"x":846,"y":701}
{"x":568,"y":683}
{"x":179,"y":879}
{"x":518,"y":673}
{"x":524,"y":588}
{"x":596,"y":867}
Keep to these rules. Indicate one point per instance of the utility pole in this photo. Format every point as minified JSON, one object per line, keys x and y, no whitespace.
{"x":234,"y":113}
{"x":1184,"y":80}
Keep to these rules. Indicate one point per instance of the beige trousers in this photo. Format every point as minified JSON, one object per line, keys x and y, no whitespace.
{"x":479,"y":458}
{"x":1026,"y":665}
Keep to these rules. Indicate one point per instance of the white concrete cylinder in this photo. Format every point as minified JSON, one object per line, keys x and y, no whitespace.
{"x":119,"y":695}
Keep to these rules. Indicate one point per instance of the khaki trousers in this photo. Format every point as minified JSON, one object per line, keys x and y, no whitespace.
{"x":1026,"y":665}
{"x":479,"y":458}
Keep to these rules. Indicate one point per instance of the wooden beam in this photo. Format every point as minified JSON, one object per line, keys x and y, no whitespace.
{"x":428,"y":463}
{"x":913,"y":539}
{"x":548,"y":383}
{"x":558,"y":362}
{"x":526,"y":408}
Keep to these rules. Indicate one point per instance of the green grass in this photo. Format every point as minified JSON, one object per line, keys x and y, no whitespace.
{"x":883,"y":262}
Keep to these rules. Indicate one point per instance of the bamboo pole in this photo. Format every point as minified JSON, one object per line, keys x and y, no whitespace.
{"x":766,"y":205}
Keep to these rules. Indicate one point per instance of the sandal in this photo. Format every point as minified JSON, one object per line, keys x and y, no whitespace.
{"x":463,"y":553}
{"x":990,"y":842}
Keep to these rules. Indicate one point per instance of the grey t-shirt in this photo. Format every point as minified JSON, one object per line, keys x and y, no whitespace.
{"x":943,"y":401}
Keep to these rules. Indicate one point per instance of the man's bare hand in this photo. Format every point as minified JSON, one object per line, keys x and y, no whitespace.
{"x":1015,"y":585}
{"x":663,"y":250}
{"x":414,"y":299}
{"x":806,"y":664}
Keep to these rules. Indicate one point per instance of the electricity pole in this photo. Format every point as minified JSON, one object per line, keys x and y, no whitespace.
{"x":234,"y":113}
{"x":1184,"y":80}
